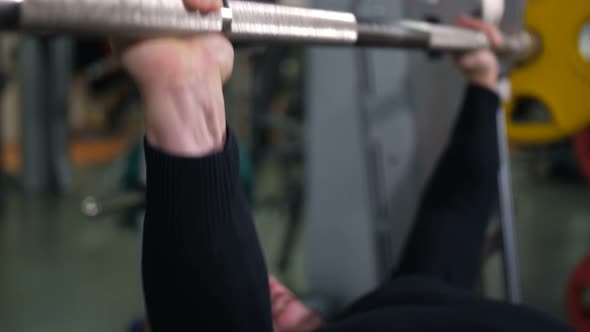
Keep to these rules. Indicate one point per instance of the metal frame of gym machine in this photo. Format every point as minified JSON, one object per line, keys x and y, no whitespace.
{"x":46,"y":70}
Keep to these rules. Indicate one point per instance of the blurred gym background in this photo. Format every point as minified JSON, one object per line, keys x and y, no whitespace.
{"x":72,"y":170}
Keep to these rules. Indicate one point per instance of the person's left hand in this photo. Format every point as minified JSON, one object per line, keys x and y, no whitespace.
{"x":481,"y":67}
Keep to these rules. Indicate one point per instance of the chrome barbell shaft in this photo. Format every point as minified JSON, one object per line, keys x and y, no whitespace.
{"x":241,"y":21}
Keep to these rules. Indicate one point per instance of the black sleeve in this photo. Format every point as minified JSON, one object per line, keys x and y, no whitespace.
{"x":457,"y":204}
{"x":202,"y":266}
{"x":469,"y":167}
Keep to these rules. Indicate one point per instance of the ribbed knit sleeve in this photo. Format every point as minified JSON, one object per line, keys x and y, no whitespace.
{"x":202,"y":265}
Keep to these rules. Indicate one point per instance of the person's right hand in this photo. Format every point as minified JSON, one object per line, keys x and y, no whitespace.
{"x":181,"y":82}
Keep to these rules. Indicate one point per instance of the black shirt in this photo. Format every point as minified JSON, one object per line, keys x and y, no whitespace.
{"x":203,"y":269}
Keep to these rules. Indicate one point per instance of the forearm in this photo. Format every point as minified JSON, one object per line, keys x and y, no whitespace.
{"x":202,"y":264}
{"x":447,"y":236}
{"x":468,"y":168}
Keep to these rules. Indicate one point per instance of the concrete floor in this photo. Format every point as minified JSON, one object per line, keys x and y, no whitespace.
{"x":62,"y":272}
{"x":554,"y":235}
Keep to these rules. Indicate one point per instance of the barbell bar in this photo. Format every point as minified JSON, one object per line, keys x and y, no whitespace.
{"x":243,"y":21}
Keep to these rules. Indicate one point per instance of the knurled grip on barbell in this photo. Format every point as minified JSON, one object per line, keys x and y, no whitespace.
{"x":258,"y":21}
{"x":116,"y":17}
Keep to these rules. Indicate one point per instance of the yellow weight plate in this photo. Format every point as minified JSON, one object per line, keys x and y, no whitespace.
{"x":560,"y":76}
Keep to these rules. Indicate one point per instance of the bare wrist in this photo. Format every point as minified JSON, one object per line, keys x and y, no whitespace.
{"x":184,"y":120}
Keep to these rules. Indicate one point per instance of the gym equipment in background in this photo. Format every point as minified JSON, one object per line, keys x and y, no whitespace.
{"x":546,"y":111}
{"x":549,"y":92}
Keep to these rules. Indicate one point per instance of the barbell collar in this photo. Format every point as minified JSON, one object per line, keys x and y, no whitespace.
{"x":522,"y":47}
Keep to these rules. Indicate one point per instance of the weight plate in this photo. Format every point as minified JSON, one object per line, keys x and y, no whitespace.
{"x":559,"y":78}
